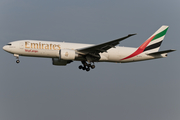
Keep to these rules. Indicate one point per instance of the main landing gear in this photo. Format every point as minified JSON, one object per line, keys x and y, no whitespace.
{"x":17,"y":57}
{"x":86,"y":66}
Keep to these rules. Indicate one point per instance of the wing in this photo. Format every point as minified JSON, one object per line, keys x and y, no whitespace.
{"x":96,"y":49}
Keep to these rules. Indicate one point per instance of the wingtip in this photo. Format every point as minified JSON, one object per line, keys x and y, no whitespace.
{"x":173,"y":50}
{"x":132,"y":34}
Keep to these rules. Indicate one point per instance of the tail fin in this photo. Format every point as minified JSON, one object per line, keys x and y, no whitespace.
{"x":154,"y":42}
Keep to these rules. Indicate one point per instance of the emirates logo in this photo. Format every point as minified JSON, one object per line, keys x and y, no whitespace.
{"x":66,"y":54}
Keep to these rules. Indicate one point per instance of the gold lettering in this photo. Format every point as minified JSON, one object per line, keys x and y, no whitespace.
{"x":39,"y":45}
{"x":54,"y":47}
{"x":51,"y":46}
{"x":43,"y":46}
{"x":47,"y":46}
{"x":26,"y":45}
{"x":35,"y":45}
{"x":58,"y":47}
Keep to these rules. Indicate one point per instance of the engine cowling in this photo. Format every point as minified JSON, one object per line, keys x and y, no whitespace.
{"x":65,"y":54}
{"x":57,"y":61}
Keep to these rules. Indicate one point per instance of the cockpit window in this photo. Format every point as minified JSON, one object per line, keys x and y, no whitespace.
{"x":9,"y":44}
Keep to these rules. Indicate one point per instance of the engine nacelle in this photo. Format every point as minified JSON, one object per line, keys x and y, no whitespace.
{"x":65,"y":54}
{"x":57,"y":61}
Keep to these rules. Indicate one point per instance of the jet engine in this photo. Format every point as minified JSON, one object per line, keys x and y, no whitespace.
{"x":57,"y":61}
{"x":65,"y":54}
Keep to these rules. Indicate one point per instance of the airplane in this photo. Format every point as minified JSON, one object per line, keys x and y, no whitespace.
{"x":63,"y":53}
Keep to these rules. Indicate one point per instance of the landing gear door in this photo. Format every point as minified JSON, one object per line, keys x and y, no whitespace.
{"x":21,"y":45}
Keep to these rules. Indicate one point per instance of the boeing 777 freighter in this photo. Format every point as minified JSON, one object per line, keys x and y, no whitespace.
{"x":63,"y":53}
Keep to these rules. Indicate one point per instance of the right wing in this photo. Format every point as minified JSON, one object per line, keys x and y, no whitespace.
{"x":96,"y":49}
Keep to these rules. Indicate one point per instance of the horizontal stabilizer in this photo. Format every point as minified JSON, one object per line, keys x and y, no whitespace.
{"x":161,"y":52}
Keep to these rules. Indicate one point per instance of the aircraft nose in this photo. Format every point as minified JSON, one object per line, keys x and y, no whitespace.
{"x":5,"y":48}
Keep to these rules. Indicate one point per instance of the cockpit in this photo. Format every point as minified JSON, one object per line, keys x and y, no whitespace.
{"x":9,"y":44}
{"x":7,"y":47}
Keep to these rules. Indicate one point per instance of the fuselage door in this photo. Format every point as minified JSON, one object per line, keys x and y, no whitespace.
{"x":21,"y":45}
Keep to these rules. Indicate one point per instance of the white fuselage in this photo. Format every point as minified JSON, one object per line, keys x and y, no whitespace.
{"x":49,"y":49}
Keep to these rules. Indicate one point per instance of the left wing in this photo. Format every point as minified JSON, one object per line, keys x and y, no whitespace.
{"x":96,"y":49}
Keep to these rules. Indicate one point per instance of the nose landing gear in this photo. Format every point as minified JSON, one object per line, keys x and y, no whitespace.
{"x":86,"y":66}
{"x":17,"y":57}
{"x":17,"y":61}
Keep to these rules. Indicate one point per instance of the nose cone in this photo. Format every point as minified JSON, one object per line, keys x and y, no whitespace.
{"x":4,"y":48}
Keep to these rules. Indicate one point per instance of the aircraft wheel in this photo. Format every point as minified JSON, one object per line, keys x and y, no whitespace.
{"x":87,"y":69}
{"x":92,"y":66}
{"x":17,"y":61}
{"x":80,"y":67}
{"x":83,"y":68}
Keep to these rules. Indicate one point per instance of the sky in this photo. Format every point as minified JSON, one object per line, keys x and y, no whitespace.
{"x":37,"y":90}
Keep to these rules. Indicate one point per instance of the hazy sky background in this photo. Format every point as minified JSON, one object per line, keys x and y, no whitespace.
{"x":37,"y":90}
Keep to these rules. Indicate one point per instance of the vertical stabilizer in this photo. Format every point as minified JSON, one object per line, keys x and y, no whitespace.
{"x":156,"y":40}
{"x":152,"y":44}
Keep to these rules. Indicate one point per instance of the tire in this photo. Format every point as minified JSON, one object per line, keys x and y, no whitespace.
{"x":17,"y":61}
{"x":83,"y":68}
{"x":80,"y":67}
{"x":87,"y":69}
{"x":92,"y":66}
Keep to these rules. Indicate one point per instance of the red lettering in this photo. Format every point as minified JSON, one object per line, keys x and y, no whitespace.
{"x":35,"y":51}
